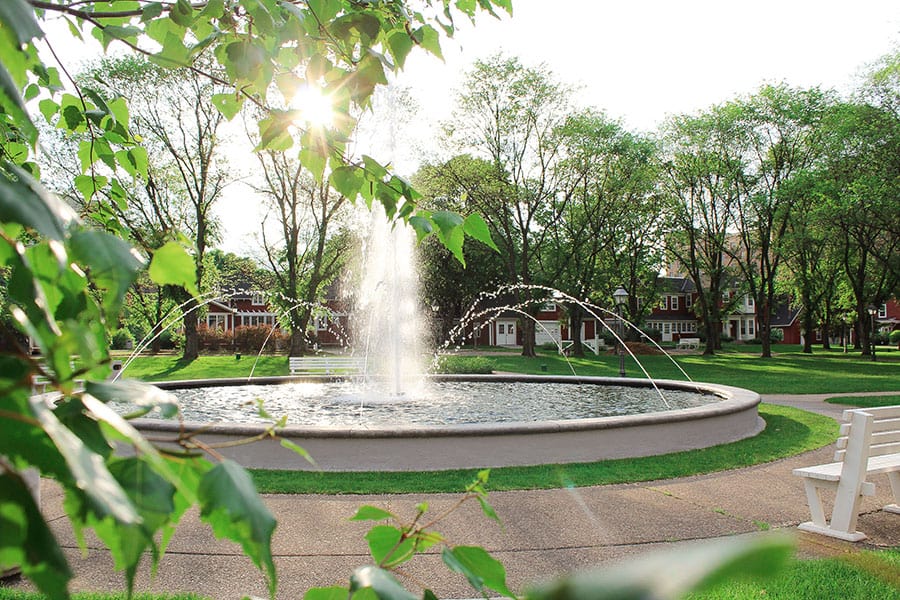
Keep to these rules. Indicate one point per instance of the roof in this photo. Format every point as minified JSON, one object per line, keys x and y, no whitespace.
{"x":676,"y":285}
{"x":784,"y":315}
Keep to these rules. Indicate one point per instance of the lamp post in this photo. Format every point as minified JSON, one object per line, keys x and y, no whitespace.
{"x":872,"y":310}
{"x":620,"y":296}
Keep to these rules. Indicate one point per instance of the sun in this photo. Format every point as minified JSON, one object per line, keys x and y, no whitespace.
{"x":315,"y":108}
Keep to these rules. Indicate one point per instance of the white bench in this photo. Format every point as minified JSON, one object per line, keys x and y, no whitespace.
{"x":869,"y":444}
{"x":688,"y":344}
{"x":327,"y":365}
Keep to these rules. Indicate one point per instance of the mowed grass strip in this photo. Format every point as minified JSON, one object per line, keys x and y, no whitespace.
{"x":861,"y":575}
{"x":789,"y":372}
{"x":866,"y":401}
{"x":788,"y":431}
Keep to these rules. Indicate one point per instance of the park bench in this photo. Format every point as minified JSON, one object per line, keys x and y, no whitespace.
{"x":688,"y":344}
{"x":869,"y":444}
{"x":326,"y":365}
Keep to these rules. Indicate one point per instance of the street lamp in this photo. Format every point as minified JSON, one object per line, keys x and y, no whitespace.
{"x":620,"y":296}
{"x":873,"y":310}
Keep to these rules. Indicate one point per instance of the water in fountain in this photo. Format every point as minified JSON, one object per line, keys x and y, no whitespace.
{"x":390,"y":329}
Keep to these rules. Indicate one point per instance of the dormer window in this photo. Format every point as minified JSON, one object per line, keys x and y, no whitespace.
{"x":258,"y":299}
{"x":674,"y":302}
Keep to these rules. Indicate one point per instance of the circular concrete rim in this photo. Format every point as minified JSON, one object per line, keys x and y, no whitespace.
{"x":733,"y":400}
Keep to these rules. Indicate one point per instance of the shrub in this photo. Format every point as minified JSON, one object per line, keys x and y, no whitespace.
{"x":122,"y":340}
{"x":725,"y":338}
{"x":214,"y":338}
{"x":652,"y":333}
{"x":894,"y":336}
{"x":256,"y":338}
{"x":171,"y":340}
{"x":776,"y":334}
{"x":753,"y":341}
{"x":463,"y":365}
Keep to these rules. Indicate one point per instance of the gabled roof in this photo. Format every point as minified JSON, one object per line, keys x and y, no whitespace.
{"x":785,"y":315}
{"x":676,"y":285}
{"x":218,"y":307}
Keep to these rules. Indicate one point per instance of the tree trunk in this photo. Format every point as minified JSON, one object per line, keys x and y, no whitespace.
{"x":299,"y":346}
{"x":576,"y":322}
{"x":765,"y":329}
{"x":528,"y":345}
{"x":191,"y":338}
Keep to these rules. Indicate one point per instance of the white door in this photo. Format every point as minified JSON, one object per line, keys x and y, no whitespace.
{"x":667,"y":332}
{"x":506,"y":333}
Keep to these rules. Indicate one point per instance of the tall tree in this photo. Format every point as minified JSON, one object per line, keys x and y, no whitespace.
{"x":508,"y":114}
{"x":308,"y":251}
{"x":778,"y":132}
{"x":175,"y":114}
{"x":606,"y":235}
{"x":702,"y":183}
{"x":863,"y":199}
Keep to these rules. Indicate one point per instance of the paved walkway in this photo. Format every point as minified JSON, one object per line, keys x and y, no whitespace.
{"x":544,"y":533}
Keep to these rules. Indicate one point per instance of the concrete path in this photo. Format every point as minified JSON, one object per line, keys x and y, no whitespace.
{"x":544,"y":533}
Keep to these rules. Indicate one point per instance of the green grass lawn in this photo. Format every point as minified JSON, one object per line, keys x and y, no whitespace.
{"x":866,"y":401}
{"x":789,"y":372}
{"x":858,"y":576}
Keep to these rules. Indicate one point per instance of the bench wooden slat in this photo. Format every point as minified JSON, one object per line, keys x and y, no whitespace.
{"x":880,"y":412}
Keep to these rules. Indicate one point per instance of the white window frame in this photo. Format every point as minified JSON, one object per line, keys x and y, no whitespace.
{"x":882,"y":311}
{"x":217,"y":321}
{"x":688,"y":301}
{"x":673,"y":303}
{"x":258,"y":298}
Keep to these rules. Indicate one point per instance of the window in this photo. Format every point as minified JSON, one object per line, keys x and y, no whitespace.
{"x":726,"y":295}
{"x":216,"y":321}
{"x":548,"y":307}
{"x":322,"y":323}
{"x":664,"y":303}
{"x":749,"y":301}
{"x":258,"y":298}
{"x":882,"y":311}
{"x":750,"y":327}
{"x":501,"y":329}
{"x":688,"y":301}
{"x":674,"y":303}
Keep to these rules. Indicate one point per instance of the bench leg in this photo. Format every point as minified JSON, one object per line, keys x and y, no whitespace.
{"x":819,"y":523}
{"x":814,"y":500}
{"x":894,"y":478}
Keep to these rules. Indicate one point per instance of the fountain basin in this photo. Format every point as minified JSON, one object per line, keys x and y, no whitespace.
{"x":363,"y":447}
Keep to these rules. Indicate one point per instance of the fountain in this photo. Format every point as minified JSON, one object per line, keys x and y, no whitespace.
{"x":392,"y":418}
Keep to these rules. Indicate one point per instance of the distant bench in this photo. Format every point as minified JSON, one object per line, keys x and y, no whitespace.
{"x":869,"y":443}
{"x":688,"y":344}
{"x":326,"y":365}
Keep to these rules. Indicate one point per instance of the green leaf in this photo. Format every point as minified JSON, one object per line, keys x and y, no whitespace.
{"x":475,"y":226}
{"x":12,"y":102}
{"x":428,"y":37}
{"x":113,"y":265}
{"x":401,"y":45}
{"x":446,"y":221}
{"x":27,"y":202}
{"x":142,"y":395}
{"x":324,"y":10}
{"x":313,"y":161}
{"x":172,"y":265}
{"x":480,"y":568}
{"x":18,"y":17}
{"x":182,"y":13}
{"x":88,"y":186}
{"x":228,"y":104}
{"x":371,"y":513}
{"x":230,"y":504}
{"x":383,"y":540}
{"x":381,"y":582}
{"x":26,"y":540}
{"x":327,"y":593}
{"x":90,"y":474}
{"x":347,"y":180}
{"x":422,"y":225}
{"x":286,"y":443}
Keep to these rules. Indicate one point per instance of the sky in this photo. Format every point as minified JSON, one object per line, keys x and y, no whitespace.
{"x":638,"y":60}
